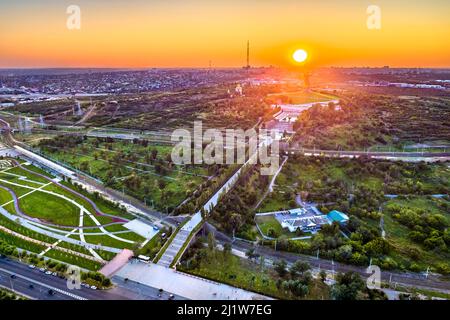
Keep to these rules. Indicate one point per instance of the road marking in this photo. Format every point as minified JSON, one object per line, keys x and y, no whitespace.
{"x":44,"y":285}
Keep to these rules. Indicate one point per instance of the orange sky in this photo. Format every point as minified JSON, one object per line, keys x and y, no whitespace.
{"x":190,"y":33}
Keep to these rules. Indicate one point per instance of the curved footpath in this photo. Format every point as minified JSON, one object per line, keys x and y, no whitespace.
{"x":92,"y":203}
{"x":30,"y":225}
{"x":82,"y":210}
{"x":37,"y":220}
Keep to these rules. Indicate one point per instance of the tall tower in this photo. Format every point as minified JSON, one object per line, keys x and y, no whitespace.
{"x":248,"y":55}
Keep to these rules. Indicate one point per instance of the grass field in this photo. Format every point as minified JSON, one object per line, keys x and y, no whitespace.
{"x":126,"y":167}
{"x":59,"y":208}
{"x":299,"y":97}
{"x":267,"y":223}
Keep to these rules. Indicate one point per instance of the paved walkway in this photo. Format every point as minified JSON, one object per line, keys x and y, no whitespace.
{"x":182,"y":235}
{"x":183,"y":284}
{"x":34,"y":227}
{"x":82,"y":208}
{"x":49,"y":246}
{"x":173,"y":248}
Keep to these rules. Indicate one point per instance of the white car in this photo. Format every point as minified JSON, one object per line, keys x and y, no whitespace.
{"x":42,"y":269}
{"x":48,"y":273}
{"x":32,"y":266}
{"x":54,"y":274}
{"x":93,"y":287}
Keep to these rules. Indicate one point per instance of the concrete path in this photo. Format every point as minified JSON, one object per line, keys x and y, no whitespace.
{"x":48,"y":245}
{"x":173,"y":248}
{"x":40,"y":189}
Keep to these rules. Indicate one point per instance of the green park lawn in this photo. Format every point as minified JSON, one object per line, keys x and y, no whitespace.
{"x":50,"y":208}
{"x":266,"y":223}
{"x":54,"y":209}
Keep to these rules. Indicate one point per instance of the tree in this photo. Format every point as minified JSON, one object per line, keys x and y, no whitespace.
{"x":211,"y":241}
{"x":161,"y":184}
{"x":348,"y":286}
{"x":154,"y":154}
{"x":272,"y":233}
{"x":280,"y":267}
{"x":323,"y":275}
{"x":251,"y":254}
{"x":299,"y":289}
{"x":227,"y":249}
{"x":299,"y":267}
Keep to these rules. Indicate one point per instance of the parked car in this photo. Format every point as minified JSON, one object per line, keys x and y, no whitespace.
{"x":171,"y":297}
{"x":42,"y":269}
{"x":51,"y":292}
{"x":93,"y":287}
{"x":13,"y":276}
{"x":55,"y":274}
{"x":31,"y":286}
{"x":32,"y":266}
{"x":48,"y":273}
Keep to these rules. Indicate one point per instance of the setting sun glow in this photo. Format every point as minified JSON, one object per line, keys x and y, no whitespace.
{"x":300,"y":55}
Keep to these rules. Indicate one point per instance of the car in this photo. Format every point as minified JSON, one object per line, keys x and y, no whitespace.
{"x":42,"y":269}
{"x":51,"y":292}
{"x":85,"y":285}
{"x":93,"y":287}
{"x":13,"y":276}
{"x":155,"y":228}
{"x":54,"y":274}
{"x":31,"y":286}
{"x":171,"y":297}
{"x":48,"y":273}
{"x":163,"y":235}
{"x":32,"y":266}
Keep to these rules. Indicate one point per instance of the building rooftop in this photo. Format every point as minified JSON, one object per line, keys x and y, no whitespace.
{"x":337,"y":216}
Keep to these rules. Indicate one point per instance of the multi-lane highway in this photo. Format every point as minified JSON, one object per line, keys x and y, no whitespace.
{"x":35,"y":284}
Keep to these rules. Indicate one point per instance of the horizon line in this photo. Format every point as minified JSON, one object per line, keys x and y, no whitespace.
{"x":218,"y":67}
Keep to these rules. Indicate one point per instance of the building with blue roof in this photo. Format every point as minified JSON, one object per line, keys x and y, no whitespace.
{"x":337,"y":216}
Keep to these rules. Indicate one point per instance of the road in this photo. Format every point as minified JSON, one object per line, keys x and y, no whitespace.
{"x":42,"y":283}
{"x":409,"y":279}
{"x":352,"y":153}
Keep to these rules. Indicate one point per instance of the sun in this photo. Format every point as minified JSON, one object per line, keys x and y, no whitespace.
{"x":300,"y":55}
